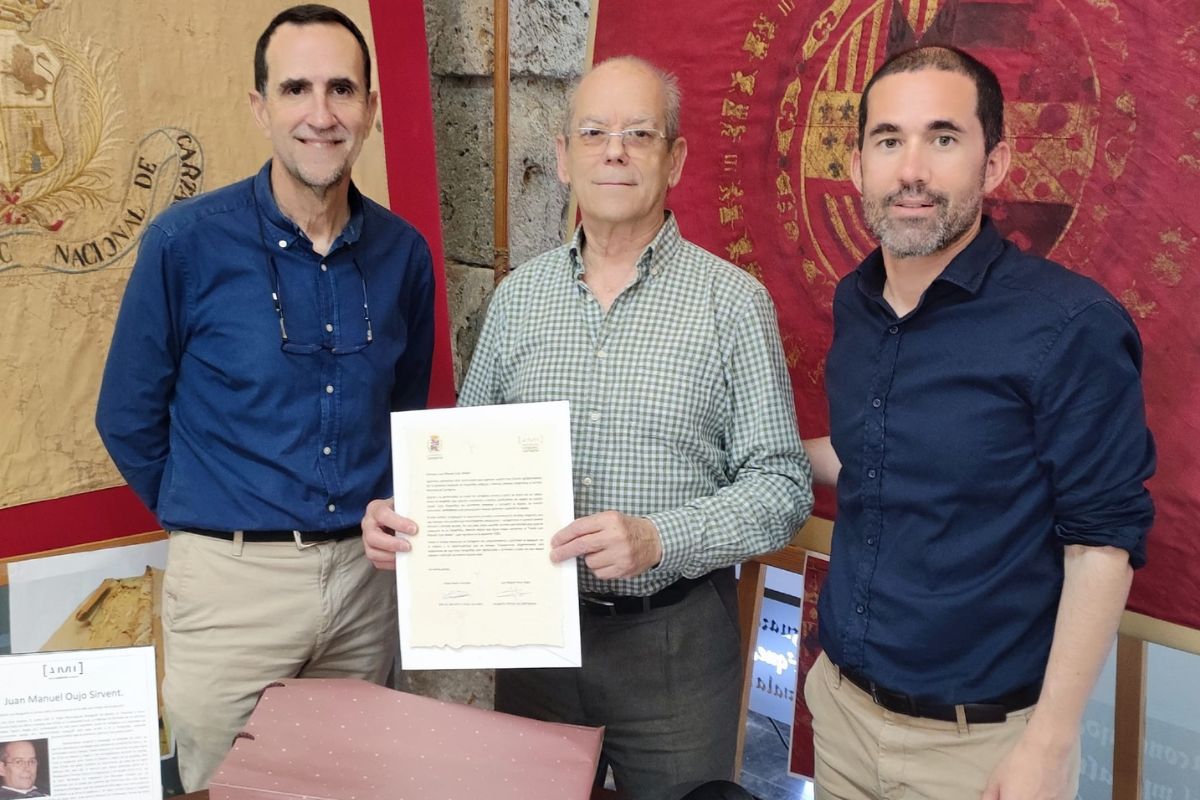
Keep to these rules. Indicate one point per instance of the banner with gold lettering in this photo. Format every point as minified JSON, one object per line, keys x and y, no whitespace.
{"x":1104,"y":115}
{"x":109,"y":112}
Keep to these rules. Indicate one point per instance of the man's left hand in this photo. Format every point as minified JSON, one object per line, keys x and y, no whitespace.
{"x":1031,"y":772}
{"x":612,"y":544}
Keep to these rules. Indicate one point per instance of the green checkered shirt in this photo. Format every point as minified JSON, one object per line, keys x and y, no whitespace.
{"x":681,"y":406}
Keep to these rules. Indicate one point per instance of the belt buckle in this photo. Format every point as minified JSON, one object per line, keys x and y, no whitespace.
{"x":300,"y":543}
{"x":608,"y":605}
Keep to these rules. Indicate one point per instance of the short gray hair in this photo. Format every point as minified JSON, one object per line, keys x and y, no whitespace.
{"x":672,"y":96}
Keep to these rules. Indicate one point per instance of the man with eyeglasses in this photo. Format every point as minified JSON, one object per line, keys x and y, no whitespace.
{"x":685,"y":452}
{"x":18,"y":771}
{"x":267,"y":331}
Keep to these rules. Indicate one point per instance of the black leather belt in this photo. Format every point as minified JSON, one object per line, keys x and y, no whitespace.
{"x":995,"y":710}
{"x":611,"y":605}
{"x":306,"y":537}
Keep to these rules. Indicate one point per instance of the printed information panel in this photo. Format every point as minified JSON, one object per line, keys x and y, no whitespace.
{"x":80,"y":725}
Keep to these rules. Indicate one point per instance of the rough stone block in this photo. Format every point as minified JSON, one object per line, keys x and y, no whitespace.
{"x":468,"y":290}
{"x":460,"y":36}
{"x":462,"y":112}
{"x":473,"y":687}
{"x":546,"y":37}
{"x":537,"y":201}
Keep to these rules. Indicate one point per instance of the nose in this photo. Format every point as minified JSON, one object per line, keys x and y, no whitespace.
{"x":614,"y":149}
{"x":914,"y":166}
{"x":320,"y":114}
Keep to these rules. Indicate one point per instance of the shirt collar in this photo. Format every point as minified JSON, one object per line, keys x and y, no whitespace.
{"x":280,"y":227}
{"x":966,"y":270}
{"x":652,"y":261}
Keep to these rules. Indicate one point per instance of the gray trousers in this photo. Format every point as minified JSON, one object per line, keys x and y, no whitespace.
{"x":666,"y":684}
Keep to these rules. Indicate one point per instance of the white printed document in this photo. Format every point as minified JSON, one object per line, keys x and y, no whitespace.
{"x":80,"y":724}
{"x":488,"y":486}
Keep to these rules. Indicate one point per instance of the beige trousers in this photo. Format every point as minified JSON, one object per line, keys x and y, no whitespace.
{"x":238,"y":616}
{"x":865,"y":752}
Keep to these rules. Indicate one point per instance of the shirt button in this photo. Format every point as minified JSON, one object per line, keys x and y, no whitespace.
{"x":329,"y":327}
{"x":861,"y":609}
{"x":283,"y":242}
{"x":594,"y":416}
{"x":870,"y":473}
{"x":870,"y":541}
{"x":329,"y":388}
{"x":324,"y":268}
{"x":586,"y":481}
{"x":326,"y":450}
{"x":601,"y":353}
{"x":876,"y":403}
{"x":331,"y":508}
{"x":894,"y":329}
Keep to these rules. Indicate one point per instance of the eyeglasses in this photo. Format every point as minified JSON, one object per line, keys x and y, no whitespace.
{"x":21,"y":763}
{"x":633,"y":139}
{"x":289,"y":346}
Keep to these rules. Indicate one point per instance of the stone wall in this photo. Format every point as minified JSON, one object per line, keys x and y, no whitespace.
{"x":547,"y":45}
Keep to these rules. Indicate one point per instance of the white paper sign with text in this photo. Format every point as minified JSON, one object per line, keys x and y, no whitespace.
{"x":487,"y":486}
{"x":81,"y":724}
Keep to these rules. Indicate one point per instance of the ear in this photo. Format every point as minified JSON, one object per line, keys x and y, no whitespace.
{"x":560,"y":149}
{"x":856,"y":169}
{"x":996,"y":166}
{"x":678,"y":155}
{"x":372,"y":110}
{"x":258,"y":107}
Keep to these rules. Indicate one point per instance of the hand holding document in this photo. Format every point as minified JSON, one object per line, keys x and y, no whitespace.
{"x":488,"y":487}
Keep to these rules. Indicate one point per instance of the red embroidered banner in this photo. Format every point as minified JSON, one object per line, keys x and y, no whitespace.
{"x":1104,"y":116}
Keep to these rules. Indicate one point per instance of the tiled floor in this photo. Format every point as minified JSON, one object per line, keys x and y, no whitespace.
{"x":764,"y":768}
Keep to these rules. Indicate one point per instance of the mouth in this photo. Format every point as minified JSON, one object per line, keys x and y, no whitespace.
{"x":907,"y":204}
{"x":314,"y":142}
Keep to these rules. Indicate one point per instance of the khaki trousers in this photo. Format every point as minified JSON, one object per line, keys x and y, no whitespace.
{"x":237,"y":616}
{"x":865,"y":752}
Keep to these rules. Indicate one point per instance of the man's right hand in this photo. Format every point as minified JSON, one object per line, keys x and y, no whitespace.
{"x":385,"y":533}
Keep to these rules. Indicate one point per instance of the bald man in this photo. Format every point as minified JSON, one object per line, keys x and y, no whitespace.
{"x":683,"y":430}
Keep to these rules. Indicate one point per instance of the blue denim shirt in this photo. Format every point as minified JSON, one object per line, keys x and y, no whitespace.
{"x":998,"y":421}
{"x":207,"y":417}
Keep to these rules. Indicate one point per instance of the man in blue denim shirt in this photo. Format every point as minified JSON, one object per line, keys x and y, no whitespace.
{"x":990,"y":449}
{"x":267,"y":331}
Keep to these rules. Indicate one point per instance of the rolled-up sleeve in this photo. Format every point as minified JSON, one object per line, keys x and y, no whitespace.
{"x":1090,"y":424}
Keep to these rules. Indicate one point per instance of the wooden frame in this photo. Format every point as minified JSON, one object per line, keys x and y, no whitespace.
{"x":137,"y":538}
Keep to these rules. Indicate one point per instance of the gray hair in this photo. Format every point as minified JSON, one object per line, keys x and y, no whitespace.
{"x":672,"y":96}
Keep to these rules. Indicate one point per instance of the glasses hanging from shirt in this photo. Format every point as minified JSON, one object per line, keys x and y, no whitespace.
{"x":287,"y":343}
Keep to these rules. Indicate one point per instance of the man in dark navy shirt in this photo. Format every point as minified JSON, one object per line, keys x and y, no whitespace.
{"x":989,"y":447}
{"x":267,"y":331}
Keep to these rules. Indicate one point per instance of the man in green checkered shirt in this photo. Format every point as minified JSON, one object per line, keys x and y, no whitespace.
{"x":683,"y":430}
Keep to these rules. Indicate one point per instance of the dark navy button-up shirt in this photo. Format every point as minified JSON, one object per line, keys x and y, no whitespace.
{"x":208,"y":418}
{"x":998,"y":421}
